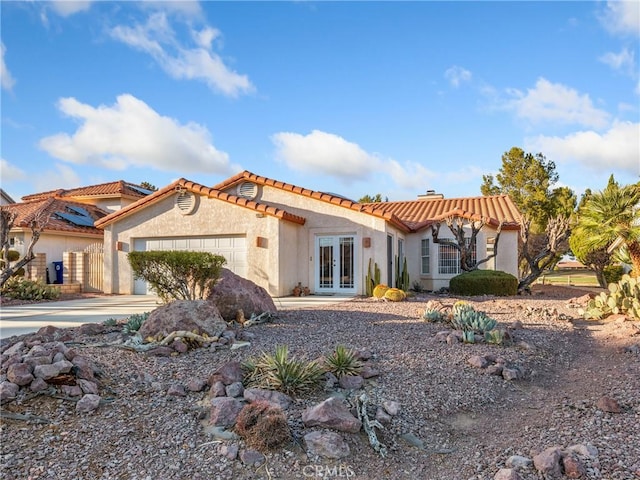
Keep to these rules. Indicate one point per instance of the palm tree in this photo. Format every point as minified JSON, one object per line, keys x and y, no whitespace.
{"x":611,"y":219}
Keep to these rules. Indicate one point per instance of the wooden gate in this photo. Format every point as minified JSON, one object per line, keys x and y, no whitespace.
{"x":93,"y":262}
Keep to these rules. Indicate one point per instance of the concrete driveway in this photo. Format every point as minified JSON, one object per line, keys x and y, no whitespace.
{"x":22,"y":319}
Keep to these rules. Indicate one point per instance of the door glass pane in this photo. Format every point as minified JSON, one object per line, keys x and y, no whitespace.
{"x":346,"y":262}
{"x":325,"y":257}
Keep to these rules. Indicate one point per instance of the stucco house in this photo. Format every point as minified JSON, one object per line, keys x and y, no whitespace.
{"x":68,"y":216}
{"x":280,"y":235}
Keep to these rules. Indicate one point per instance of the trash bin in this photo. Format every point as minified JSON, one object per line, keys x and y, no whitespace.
{"x":58,"y":268}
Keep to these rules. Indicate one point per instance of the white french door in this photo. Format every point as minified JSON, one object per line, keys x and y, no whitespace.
{"x":335,"y":268}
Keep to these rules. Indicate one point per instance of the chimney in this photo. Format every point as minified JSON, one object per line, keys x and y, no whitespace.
{"x":431,"y":195}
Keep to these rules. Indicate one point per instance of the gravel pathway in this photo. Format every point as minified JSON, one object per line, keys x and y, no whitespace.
{"x":455,"y":421}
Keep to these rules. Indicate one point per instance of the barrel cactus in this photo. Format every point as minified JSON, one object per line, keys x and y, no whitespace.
{"x":380,"y":290}
{"x":394,"y":295}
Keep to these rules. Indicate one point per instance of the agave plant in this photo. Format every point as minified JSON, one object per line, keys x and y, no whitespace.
{"x":342,"y":361}
{"x":279,"y":372}
{"x":466,"y":318}
{"x":135,"y":321}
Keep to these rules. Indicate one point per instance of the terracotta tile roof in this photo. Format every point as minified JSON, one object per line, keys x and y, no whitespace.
{"x":408,"y":216}
{"x":420,"y":213}
{"x":46,"y":209}
{"x":371,"y":209}
{"x":118,"y":188}
{"x":201,"y":190}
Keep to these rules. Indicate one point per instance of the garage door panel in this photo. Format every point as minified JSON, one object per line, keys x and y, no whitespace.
{"x":233,"y":249}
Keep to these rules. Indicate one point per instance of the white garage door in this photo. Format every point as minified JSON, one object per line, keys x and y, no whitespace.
{"x":233,"y":249}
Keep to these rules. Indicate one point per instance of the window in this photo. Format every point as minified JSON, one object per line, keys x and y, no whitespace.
{"x":449,"y":257}
{"x":424,"y":255}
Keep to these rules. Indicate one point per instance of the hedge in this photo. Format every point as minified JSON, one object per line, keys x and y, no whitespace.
{"x":484,"y":282}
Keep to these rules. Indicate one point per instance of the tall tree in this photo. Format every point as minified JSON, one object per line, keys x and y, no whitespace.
{"x":528,"y":179}
{"x":610,"y":219}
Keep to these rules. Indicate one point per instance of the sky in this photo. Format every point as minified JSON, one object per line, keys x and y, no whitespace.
{"x":355,"y":98}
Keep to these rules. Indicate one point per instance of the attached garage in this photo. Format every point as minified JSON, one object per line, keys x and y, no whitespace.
{"x":232,"y":248}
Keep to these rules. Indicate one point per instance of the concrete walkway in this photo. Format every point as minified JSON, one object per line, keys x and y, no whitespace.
{"x":21,"y":319}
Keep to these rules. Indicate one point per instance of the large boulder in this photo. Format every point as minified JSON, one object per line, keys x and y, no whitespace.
{"x":232,"y":293}
{"x":187,"y":315}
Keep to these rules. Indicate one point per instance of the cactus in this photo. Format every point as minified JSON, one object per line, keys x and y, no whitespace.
{"x":380,"y":290}
{"x":372,"y":279}
{"x":621,"y":297}
{"x":468,"y":336}
{"x":394,"y":295}
{"x":496,"y":336}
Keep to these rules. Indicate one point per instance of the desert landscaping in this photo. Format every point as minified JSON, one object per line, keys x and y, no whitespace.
{"x":560,"y":400}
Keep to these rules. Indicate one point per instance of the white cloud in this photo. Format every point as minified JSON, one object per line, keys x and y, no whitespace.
{"x":186,"y":8}
{"x":66,"y":8}
{"x":457,"y":75}
{"x":198,"y":62}
{"x":7,"y":79}
{"x":130,"y":133}
{"x":325,"y":153}
{"x":557,"y":103}
{"x":322,"y":153}
{"x":622,"y":17}
{"x":623,"y":61}
{"x":62,"y":177}
{"x":10,"y":173}
{"x":618,"y":148}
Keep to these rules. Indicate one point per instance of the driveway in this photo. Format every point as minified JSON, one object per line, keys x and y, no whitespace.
{"x":22,"y":319}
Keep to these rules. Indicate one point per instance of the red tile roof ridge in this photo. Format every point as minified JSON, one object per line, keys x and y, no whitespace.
{"x":203,"y":190}
{"x":121,"y":185}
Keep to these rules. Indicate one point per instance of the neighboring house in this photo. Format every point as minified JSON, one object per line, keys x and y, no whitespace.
{"x":280,"y":235}
{"x":5,"y":198}
{"x":68,"y":217}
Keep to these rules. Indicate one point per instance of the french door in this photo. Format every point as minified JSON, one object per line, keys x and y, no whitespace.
{"x":335,"y":269}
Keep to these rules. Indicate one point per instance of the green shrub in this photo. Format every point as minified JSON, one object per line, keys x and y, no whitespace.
{"x":342,"y":361}
{"x":177,"y":275}
{"x":613,"y":273}
{"x":13,"y":255}
{"x":279,"y":372}
{"x":20,"y":288}
{"x":484,"y":282}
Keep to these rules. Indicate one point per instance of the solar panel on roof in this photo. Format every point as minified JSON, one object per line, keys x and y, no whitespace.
{"x":141,"y":190}
{"x":79,"y":220}
{"x":79,"y":210}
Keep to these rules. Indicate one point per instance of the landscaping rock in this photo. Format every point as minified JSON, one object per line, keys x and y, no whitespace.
{"x":88,"y":403}
{"x":232,"y":293}
{"x":369,"y":372}
{"x":87,"y":386}
{"x":518,"y":461}
{"x":218,"y":389}
{"x":252,"y":458}
{"x":573,"y":466}
{"x":391,"y":407}
{"x":277,"y":398}
{"x":506,"y":474}
{"x":71,"y":390}
{"x":236,"y":389}
{"x":382,"y":416}
{"x":326,"y":444}
{"x":331,"y":413}
{"x":229,"y":451}
{"x":351,"y":382}
{"x":608,"y":404}
{"x":176,"y":390}
{"x":38,"y":385}
{"x":478,"y":361}
{"x":224,"y":411}
{"x":20,"y":374}
{"x":190,"y":315}
{"x":547,"y":462}
{"x":8,"y":391}
{"x":228,"y":373}
{"x":197,"y":385}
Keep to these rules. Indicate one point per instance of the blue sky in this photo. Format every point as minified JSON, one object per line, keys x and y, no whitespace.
{"x":347,"y":97}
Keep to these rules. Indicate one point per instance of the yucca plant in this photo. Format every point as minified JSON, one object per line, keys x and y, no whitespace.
{"x":279,"y":372}
{"x":342,"y":361}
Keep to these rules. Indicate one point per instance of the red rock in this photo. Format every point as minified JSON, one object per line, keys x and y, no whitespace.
{"x":608,"y":404}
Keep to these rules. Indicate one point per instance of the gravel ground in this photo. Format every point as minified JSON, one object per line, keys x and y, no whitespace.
{"x":464,"y":423}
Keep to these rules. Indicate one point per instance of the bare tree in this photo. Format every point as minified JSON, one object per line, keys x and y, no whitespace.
{"x":542,"y":251}
{"x":7,"y":220}
{"x":463,"y":244}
